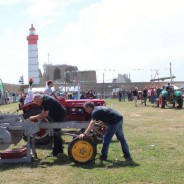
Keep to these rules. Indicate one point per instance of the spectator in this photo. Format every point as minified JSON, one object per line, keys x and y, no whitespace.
{"x":129,"y":94}
{"x":29,"y":96}
{"x":152,"y":94}
{"x":48,"y":89}
{"x":158,"y":91}
{"x":7,"y":100}
{"x":83,"y":96}
{"x":119,"y":95}
{"x":21,"y":102}
{"x":123,"y":95}
{"x":144,"y":95}
{"x":135,"y":95}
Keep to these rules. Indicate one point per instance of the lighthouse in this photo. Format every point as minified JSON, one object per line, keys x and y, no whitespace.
{"x":33,"y":65}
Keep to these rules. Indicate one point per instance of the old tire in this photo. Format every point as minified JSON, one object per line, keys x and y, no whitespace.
{"x":180,"y":102}
{"x":42,"y":137}
{"x":174,"y":104}
{"x":82,"y":151}
{"x":162,"y":102}
{"x":157,"y":102}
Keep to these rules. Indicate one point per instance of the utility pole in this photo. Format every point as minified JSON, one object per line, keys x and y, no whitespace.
{"x":171,"y":73}
{"x":103,"y":86}
{"x":48,"y":58}
{"x":65,"y":82}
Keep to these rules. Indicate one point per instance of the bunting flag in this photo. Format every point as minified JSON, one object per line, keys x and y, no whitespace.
{"x":21,"y":80}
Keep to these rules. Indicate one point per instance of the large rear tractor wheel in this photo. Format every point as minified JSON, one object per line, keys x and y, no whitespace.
{"x":82,"y":151}
{"x":157,"y":102}
{"x":174,"y":104}
{"x":162,"y":102}
{"x":180,"y":102}
{"x":42,"y":137}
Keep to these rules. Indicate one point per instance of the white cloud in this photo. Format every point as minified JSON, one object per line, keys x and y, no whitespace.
{"x":124,"y":34}
{"x":10,"y":2}
{"x":115,"y":35}
{"x":43,"y":8}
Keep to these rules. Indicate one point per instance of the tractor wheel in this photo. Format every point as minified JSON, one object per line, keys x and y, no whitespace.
{"x":42,"y":137}
{"x":162,"y":102}
{"x":157,"y":102}
{"x":180,"y":102}
{"x":82,"y":151}
{"x":174,"y":104}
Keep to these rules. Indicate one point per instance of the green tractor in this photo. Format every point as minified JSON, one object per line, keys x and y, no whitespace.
{"x":170,"y":96}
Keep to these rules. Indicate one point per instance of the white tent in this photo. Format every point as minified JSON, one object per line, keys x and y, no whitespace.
{"x":181,"y":87}
{"x":38,"y":89}
{"x":175,"y":87}
{"x":70,"y":88}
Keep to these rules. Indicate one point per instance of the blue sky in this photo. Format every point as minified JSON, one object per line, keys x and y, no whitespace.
{"x":109,"y":36}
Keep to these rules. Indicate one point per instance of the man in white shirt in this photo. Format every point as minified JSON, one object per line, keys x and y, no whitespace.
{"x":48,"y":90}
{"x":29,"y":96}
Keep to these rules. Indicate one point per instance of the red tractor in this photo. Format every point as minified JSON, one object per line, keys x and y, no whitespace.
{"x":74,"y":113}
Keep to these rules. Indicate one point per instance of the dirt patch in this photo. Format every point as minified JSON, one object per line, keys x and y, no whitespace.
{"x":136,"y":115}
{"x":175,"y":128}
{"x":161,"y":111}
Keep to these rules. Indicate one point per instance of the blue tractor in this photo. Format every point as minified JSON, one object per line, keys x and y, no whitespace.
{"x":170,"y":96}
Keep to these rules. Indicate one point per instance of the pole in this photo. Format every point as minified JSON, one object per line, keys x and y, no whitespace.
{"x":48,"y":58}
{"x":65,"y":83}
{"x":171,"y":73}
{"x":78,"y":94}
{"x":103,"y":86}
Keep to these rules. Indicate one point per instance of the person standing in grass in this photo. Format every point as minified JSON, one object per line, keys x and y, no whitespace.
{"x":135,"y":95}
{"x":114,"y":122}
{"x":144,"y":95}
{"x":152,"y":94}
{"x":48,"y":89}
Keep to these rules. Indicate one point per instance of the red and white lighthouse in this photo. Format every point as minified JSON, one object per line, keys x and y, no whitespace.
{"x":33,"y":65}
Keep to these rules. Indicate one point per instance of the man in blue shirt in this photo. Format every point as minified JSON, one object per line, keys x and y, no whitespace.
{"x":114,"y":122}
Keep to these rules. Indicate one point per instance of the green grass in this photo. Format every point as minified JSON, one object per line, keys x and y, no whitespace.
{"x":156,"y":140}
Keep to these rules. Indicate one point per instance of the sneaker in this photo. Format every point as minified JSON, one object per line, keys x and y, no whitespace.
{"x":61,"y":150}
{"x":128,"y":158}
{"x":56,"y":155}
{"x":56,"y":152}
{"x":103,"y":158}
{"x":57,"y":148}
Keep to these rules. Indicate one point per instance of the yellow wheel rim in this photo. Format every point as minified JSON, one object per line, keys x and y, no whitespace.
{"x":82,"y":151}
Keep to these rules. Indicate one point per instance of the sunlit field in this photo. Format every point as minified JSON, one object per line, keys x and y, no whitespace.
{"x":156,"y":140}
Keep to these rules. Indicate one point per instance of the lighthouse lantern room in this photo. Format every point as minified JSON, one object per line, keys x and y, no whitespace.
{"x":33,"y":65}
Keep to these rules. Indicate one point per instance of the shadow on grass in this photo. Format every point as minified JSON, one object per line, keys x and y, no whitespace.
{"x":177,"y":108}
{"x":38,"y":163}
{"x":108,"y":164}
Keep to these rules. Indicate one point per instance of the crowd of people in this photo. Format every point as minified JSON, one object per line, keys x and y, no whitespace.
{"x":150,"y":94}
{"x":89,"y":94}
{"x":9,"y":97}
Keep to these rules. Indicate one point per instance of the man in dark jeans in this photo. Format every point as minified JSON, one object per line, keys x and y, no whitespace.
{"x":56,"y":111}
{"x":144,"y":95}
{"x":135,"y":95}
{"x":114,"y":122}
{"x":119,"y":95}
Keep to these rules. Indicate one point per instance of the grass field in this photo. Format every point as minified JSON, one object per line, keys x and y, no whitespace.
{"x":156,"y":140}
